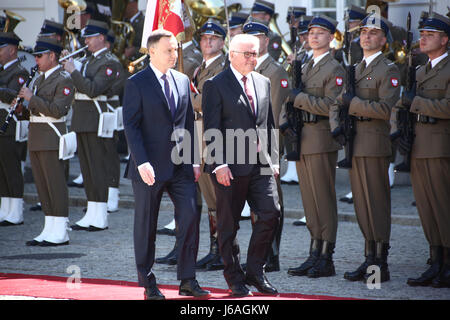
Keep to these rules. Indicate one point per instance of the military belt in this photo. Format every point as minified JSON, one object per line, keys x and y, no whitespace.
{"x":426,"y":119}
{"x":42,"y":119}
{"x":82,"y":96}
{"x":311,"y":118}
{"x":363,"y":119}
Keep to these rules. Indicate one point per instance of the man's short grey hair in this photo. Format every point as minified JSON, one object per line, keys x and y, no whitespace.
{"x":243,"y":38}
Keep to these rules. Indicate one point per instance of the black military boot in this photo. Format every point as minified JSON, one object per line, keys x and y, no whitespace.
{"x":381,"y":254}
{"x":213,"y":254}
{"x":314,"y":254}
{"x":443,"y":278}
{"x":324,"y":266}
{"x":358,"y":274}
{"x":436,"y":261}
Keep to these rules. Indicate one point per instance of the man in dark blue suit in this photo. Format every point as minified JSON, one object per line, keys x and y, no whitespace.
{"x":237,"y":104}
{"x":159,"y":123}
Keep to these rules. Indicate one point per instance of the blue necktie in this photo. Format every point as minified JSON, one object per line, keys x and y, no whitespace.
{"x":169,"y":96}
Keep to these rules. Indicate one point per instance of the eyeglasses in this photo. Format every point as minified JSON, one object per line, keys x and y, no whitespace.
{"x":248,"y":54}
{"x":39,"y":55}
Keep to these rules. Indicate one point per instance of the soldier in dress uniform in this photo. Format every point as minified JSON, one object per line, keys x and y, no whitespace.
{"x":12,"y":77}
{"x":192,"y":57}
{"x":49,"y":103}
{"x":52,"y":29}
{"x":264,"y":10}
{"x":136,"y":18}
{"x":212,"y":40}
{"x":430,"y":156}
{"x":113,"y":161}
{"x":236,"y":22}
{"x":293,"y":18}
{"x":355,"y":16}
{"x":279,"y":90}
{"x":377,"y":89}
{"x":323,"y":79}
{"x":93,"y":83}
{"x":303,"y":56}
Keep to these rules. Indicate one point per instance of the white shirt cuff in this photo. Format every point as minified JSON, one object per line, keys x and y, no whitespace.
{"x":220,"y":167}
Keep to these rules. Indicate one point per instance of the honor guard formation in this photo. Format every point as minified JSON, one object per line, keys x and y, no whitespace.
{"x":369,"y":90}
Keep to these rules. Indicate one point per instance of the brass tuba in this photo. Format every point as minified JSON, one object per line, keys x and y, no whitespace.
{"x":123,"y":31}
{"x":12,"y":20}
{"x":69,"y":40}
{"x":204,"y":9}
{"x":286,"y":49}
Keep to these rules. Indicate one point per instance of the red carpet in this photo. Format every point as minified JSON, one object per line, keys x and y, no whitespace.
{"x":100,"y":289}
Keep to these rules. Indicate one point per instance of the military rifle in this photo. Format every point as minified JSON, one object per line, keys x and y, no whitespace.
{"x":292,"y":129}
{"x":347,"y":122}
{"x":405,"y":118}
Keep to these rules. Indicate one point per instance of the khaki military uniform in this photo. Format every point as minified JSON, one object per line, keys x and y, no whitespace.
{"x":200,"y":76}
{"x":192,"y":58}
{"x":430,"y":156}
{"x":97,"y":77}
{"x":51,"y":102}
{"x":322,"y":82}
{"x":274,"y":45}
{"x":138,"y":27}
{"x":279,"y":90}
{"x":11,"y":178}
{"x":377,"y":90}
{"x":113,"y":160}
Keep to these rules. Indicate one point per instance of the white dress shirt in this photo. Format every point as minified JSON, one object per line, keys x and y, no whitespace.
{"x":371,"y":58}
{"x":9,"y":63}
{"x":249,"y":84}
{"x":317,"y":60}
{"x":172,"y":85}
{"x":438,"y":59}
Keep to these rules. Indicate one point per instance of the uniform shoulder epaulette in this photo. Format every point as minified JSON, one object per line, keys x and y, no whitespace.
{"x":111,"y":56}
{"x":64,"y":73}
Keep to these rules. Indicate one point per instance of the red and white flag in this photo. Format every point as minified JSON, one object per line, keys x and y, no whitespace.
{"x":163,"y":14}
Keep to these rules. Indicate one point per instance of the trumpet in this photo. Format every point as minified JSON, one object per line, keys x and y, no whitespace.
{"x":73,"y":54}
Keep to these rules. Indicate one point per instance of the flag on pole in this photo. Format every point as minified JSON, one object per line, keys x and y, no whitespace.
{"x":163,"y":14}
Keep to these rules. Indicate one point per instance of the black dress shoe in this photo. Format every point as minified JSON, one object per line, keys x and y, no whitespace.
{"x":95,"y":229}
{"x":74,"y":184}
{"x":299,"y":223}
{"x":346,"y":199}
{"x":76,"y":227}
{"x":166,"y":231}
{"x":153,"y":293}
{"x":9,"y":224}
{"x":261,"y":284}
{"x":51,"y":244}
{"x":240,"y":290}
{"x":33,"y":243}
{"x":171,"y":258}
{"x":36,"y":207}
{"x":215,"y":264}
{"x":192,"y":288}
{"x":273,"y":264}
